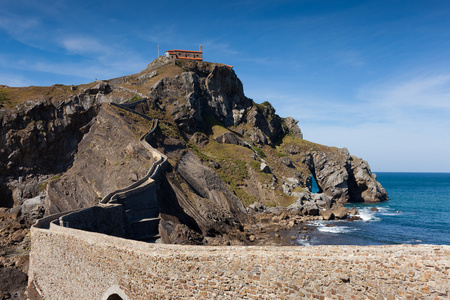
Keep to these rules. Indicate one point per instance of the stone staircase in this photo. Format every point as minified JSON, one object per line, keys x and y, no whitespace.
{"x":139,"y":200}
{"x":141,"y":214}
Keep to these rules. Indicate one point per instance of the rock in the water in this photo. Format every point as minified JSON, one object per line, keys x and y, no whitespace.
{"x":327,"y":215}
{"x":353,"y":212}
{"x":365,"y":186}
{"x":339,"y":211}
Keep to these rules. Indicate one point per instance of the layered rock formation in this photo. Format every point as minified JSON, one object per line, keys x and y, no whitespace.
{"x":225,"y":151}
{"x":66,"y":148}
{"x":343,"y":177}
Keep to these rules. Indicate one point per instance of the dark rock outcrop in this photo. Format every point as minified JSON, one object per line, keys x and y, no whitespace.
{"x":320,"y":204}
{"x":344,"y":177}
{"x":229,"y":138}
{"x":292,"y":127}
{"x":264,"y":120}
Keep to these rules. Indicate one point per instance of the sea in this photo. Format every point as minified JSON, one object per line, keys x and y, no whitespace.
{"x":417,"y":212}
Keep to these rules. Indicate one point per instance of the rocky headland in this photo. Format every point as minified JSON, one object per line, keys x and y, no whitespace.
{"x":238,"y":173}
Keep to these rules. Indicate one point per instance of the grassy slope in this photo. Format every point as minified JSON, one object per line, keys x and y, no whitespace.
{"x":11,"y":96}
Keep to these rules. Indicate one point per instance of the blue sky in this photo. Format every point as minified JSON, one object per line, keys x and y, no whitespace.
{"x":372,"y":76}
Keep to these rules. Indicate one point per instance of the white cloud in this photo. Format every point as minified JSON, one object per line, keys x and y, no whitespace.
{"x":16,"y":26}
{"x":22,"y":29}
{"x":430,"y":92}
{"x":396,"y":125}
{"x":85,"y":45}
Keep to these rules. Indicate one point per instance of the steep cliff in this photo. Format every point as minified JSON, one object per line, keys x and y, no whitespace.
{"x":225,"y":151}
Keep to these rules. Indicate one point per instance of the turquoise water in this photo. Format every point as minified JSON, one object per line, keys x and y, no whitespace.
{"x":417,"y":212}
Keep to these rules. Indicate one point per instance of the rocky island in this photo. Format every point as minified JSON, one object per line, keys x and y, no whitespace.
{"x":235,"y":173}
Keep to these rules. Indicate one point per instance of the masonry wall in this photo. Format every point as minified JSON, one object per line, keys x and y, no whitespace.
{"x":106,"y":219}
{"x":67,"y":263}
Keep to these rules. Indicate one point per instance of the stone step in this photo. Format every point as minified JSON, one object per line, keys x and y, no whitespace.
{"x":139,"y":214}
{"x":142,"y":200}
{"x":144,"y":227}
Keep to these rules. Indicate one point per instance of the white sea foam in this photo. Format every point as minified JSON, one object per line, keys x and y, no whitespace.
{"x":390,"y":214}
{"x":337,"y":229}
{"x":317,"y":223}
{"x":367,"y":215}
{"x":303,"y":242}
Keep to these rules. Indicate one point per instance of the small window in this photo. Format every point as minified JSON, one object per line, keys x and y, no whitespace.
{"x":114,"y":297}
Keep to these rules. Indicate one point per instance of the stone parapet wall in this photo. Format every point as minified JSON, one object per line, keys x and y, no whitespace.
{"x":106,"y":219}
{"x":66,"y":263}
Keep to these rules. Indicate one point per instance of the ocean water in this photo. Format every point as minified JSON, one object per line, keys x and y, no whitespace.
{"x":417,"y":212}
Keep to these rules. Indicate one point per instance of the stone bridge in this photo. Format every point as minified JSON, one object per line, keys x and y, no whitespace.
{"x":67,"y":263}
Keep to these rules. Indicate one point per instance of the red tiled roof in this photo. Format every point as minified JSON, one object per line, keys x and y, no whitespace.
{"x":187,"y":51}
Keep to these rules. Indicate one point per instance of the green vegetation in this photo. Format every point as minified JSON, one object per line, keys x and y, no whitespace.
{"x":57,"y":177}
{"x":132,"y":81}
{"x":200,"y":154}
{"x":42,"y":186}
{"x":261,"y":107}
{"x":234,"y":173}
{"x":303,"y":145}
{"x":12,"y":96}
{"x":168,"y":129}
{"x":4,"y":99}
{"x":135,"y":98}
{"x":259,"y":152}
{"x":255,"y":165}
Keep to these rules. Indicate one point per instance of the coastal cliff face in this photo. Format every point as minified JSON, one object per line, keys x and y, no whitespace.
{"x":65,"y":143}
{"x":229,"y":158}
{"x":40,"y":137}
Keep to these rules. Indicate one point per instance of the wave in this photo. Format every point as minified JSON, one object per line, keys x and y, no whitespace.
{"x":390,"y":214}
{"x":367,"y":215}
{"x":337,"y":229}
{"x":303,"y":242}
{"x":322,"y":226}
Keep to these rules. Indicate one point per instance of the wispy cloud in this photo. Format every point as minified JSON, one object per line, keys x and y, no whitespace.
{"x":85,"y":45}
{"x":432,"y":91}
{"x":22,"y":29}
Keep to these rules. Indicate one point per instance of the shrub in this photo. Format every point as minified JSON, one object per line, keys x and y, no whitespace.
{"x":259,"y":151}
